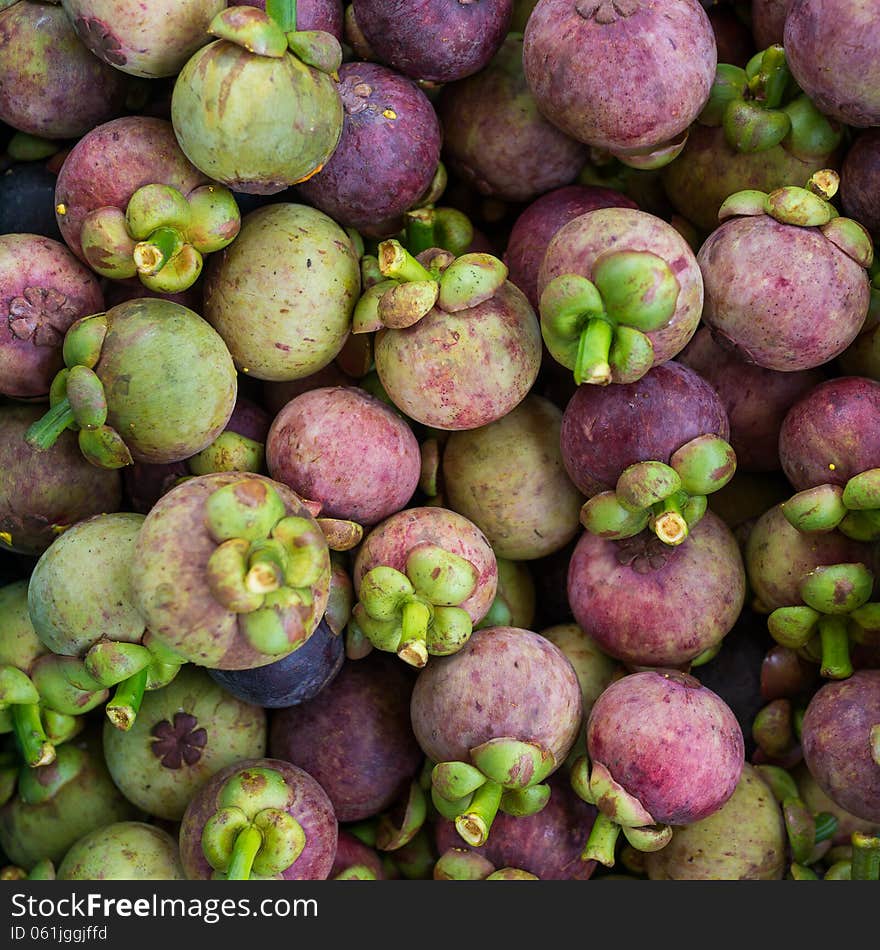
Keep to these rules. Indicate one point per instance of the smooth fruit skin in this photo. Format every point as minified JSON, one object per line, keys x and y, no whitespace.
{"x":390,"y":542}
{"x":344,"y":448}
{"x":859,"y":177}
{"x":607,"y":429}
{"x":504,"y":682}
{"x":150,"y":40}
{"x":204,"y":729}
{"x":50,"y":84}
{"x":647,"y":604}
{"x":495,"y":137}
{"x":670,"y":742}
{"x":108,"y":165}
{"x":386,"y":156}
{"x":355,"y":737}
{"x":536,"y":225}
{"x":832,"y":52}
{"x":508,"y":478}
{"x":777,"y":556}
{"x":124,"y":851}
{"x":836,"y":738}
{"x":756,"y":399}
{"x":281,"y":295}
{"x":832,"y":433}
{"x":310,"y":807}
{"x":43,"y":290}
{"x":547,"y":844}
{"x":768,"y":21}
{"x":784,"y":296}
{"x":404,"y":34}
{"x":708,"y":171}
{"x":41,"y":493}
{"x":258,"y":124}
{"x":169,"y":584}
{"x":466,"y":369}
{"x":744,"y":840}
{"x":575,"y":248}
{"x":620,"y":77}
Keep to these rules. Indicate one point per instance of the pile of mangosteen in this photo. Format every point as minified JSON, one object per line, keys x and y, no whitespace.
{"x":439,"y":440}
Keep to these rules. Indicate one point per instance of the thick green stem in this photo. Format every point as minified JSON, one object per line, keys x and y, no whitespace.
{"x":603,"y":838}
{"x":283,"y":12}
{"x":865,"y":857}
{"x":35,"y":745}
{"x":247,"y":844}
{"x":420,"y":230}
{"x":45,"y":432}
{"x":594,"y":350}
{"x":836,"y":663}
{"x":474,"y":825}
{"x":669,"y":523}
{"x":395,"y":261}
{"x":122,"y":710}
{"x":151,"y":255}
{"x":413,"y":647}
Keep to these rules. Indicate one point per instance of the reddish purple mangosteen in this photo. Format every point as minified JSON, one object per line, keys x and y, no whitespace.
{"x":354,"y":737}
{"x":756,"y":399}
{"x":43,"y":290}
{"x":355,"y":860}
{"x":785,"y":276}
{"x":387,"y":155}
{"x":841,"y":741}
{"x":834,"y":54}
{"x":458,"y":346}
{"x":860,"y":181}
{"x":496,"y":139}
{"x":768,"y":21}
{"x":50,"y":83}
{"x":534,"y":228}
{"x":261,"y":819}
{"x":620,"y":291}
{"x":347,"y":450}
{"x":276,"y":395}
{"x":547,"y":844}
{"x":829,"y":446}
{"x":424,"y":577}
{"x":435,"y":41}
{"x":323,"y":15}
{"x":663,"y":750}
{"x":649,"y":604}
{"x":733,"y":38}
{"x":625,"y":76}
{"x":497,"y":718}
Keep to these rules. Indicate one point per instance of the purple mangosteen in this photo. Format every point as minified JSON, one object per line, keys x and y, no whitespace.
{"x":325,"y":15}
{"x":859,"y":177}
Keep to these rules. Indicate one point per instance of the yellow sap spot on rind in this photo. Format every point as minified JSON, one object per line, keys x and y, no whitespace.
{"x":6,"y":537}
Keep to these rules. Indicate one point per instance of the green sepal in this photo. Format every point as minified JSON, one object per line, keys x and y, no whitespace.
{"x":283,"y":841}
{"x":156,"y":206}
{"x":852,"y":238}
{"x":107,"y":246}
{"x":779,"y":781}
{"x":85,"y":392}
{"x":749,"y":127}
{"x":812,"y":135}
{"x":392,"y":835}
{"x":867,"y":618}
{"x":226,"y":576}
{"x":649,"y":838}
{"x":443,"y":578}
{"x":793,"y":627}
{"x":215,"y":218}
{"x":220,"y":833}
{"x":383,"y":592}
{"x":251,"y":29}
{"x":818,"y":509}
{"x":449,"y":630}
{"x":603,"y":515}
{"x":229,"y":452}
{"x":705,"y":464}
{"x":513,"y":763}
{"x":40,"y":785}
{"x":729,"y":85}
{"x":462,"y":864}
{"x":772,"y":728}
{"x":645,"y":484}
{"x":110,"y":662}
{"x":178,"y":274}
{"x":567,"y":304}
{"x":382,"y":634}
{"x":306,"y":551}
{"x":317,"y":49}
{"x":248,"y":509}
{"x":522,"y":802}
{"x":631,"y":355}
{"x":837,"y":588}
{"x":861,"y":525}
{"x":265,"y":631}
{"x":84,"y":340}
{"x":470,"y":280}
{"x":638,"y":289}
{"x":579,"y":777}
{"x":615,"y":802}
{"x":366,"y":318}
{"x":65,"y":685}
{"x":456,"y":780}
{"x":253,"y":789}
{"x":450,"y":809}
{"x":798,"y":206}
{"x":16,"y":688}
{"x":403,"y":305}
{"x":862,"y":492}
{"x":742,"y":203}
{"x":104,"y":447}
{"x":693,"y":509}
{"x":800,"y":827}
{"x":453,"y":230}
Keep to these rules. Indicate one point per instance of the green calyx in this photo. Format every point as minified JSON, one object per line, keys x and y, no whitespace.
{"x":411,"y":289}
{"x":78,"y":401}
{"x":670,"y":499}
{"x":229,"y":452}
{"x":761,"y":106}
{"x":417,"y":613}
{"x":599,"y":327}
{"x":504,"y":774}
{"x":853,"y":509}
{"x":835,"y":611}
{"x":395,"y":830}
{"x":163,"y":235}
{"x":252,"y":832}
{"x":265,"y":564}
